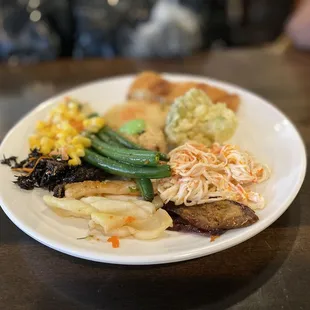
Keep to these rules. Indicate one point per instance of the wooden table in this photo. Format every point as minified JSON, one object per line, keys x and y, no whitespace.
{"x":269,"y":271}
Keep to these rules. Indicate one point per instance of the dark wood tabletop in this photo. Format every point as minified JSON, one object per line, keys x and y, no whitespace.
{"x":269,"y":271}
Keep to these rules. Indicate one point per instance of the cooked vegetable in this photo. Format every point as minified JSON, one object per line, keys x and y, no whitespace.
{"x":51,"y":173}
{"x":126,"y":170}
{"x":193,"y":117}
{"x":133,"y":127}
{"x":93,"y":124}
{"x":93,"y":188}
{"x":107,"y":139}
{"x":145,"y":229}
{"x":138,"y":209}
{"x":201,"y":174}
{"x":60,"y":133}
{"x":146,"y":188}
{"x":135,"y":157}
{"x":119,"y":138}
{"x":217,"y":215}
{"x":69,"y":207}
{"x":115,"y":241}
{"x":115,"y":218}
{"x":157,"y":201}
{"x":122,"y":140}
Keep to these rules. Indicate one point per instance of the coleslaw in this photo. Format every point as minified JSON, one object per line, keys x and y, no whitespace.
{"x":203,"y":174}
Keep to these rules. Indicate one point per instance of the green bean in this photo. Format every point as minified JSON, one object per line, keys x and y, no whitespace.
{"x":125,"y":142}
{"x":105,"y":138}
{"x":146,"y":188}
{"x":125,"y":155}
{"x":119,"y":138}
{"x":126,"y":170}
{"x":125,"y":150}
{"x":163,"y":156}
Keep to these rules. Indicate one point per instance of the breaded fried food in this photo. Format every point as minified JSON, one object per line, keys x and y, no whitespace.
{"x":154,"y":114}
{"x":95,"y":188}
{"x":149,"y":86}
{"x":232,"y":101}
{"x":152,"y":87}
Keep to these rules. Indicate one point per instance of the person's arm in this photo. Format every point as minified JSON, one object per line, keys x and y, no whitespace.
{"x":298,"y":27}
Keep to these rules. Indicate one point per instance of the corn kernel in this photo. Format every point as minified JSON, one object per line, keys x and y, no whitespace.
{"x":34,"y":142}
{"x":73,"y":106}
{"x":46,"y":145}
{"x":80,"y":152}
{"x":93,"y":124}
{"x":41,"y":125}
{"x":60,"y":143}
{"x":81,"y":140}
{"x":74,"y":161}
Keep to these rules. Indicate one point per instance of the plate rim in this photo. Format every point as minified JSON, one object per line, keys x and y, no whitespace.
{"x":167,"y":257}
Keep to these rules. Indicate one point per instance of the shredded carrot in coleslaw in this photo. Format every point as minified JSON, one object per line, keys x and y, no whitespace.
{"x":203,"y":174}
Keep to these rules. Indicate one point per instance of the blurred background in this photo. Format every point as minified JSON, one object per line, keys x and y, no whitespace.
{"x":39,"y":30}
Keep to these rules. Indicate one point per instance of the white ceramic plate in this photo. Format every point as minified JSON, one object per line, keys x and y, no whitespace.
{"x":263,"y":130}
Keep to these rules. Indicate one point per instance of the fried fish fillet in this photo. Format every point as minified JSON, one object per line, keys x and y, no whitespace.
{"x":152,"y":87}
{"x":97,"y":188}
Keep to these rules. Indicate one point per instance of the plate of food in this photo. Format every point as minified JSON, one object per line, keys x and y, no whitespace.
{"x":150,"y":169}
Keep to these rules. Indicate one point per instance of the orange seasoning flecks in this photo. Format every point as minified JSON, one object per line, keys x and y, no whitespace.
{"x":129,"y":219}
{"x":115,"y":241}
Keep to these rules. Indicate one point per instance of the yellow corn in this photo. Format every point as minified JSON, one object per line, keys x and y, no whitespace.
{"x":74,"y":161}
{"x":60,"y":143}
{"x":81,"y":140}
{"x":46,"y":145}
{"x":80,"y":151}
{"x":61,"y":131}
{"x":93,"y":124}
{"x":40,"y":125}
{"x":34,"y":142}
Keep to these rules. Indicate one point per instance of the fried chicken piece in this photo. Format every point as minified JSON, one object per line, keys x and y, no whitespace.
{"x":149,"y":86}
{"x":153,"y":114}
{"x":153,"y":138}
{"x":152,"y":87}
{"x":179,"y":89}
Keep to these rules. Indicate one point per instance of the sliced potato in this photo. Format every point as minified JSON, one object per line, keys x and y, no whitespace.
{"x":121,"y":232}
{"x":119,"y":218}
{"x":149,"y":228}
{"x":136,"y":208}
{"x":108,"y":221}
{"x":69,"y":207}
{"x":152,"y":227}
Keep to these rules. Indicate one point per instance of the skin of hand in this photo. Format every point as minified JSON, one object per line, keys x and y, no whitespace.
{"x":298,"y":27}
